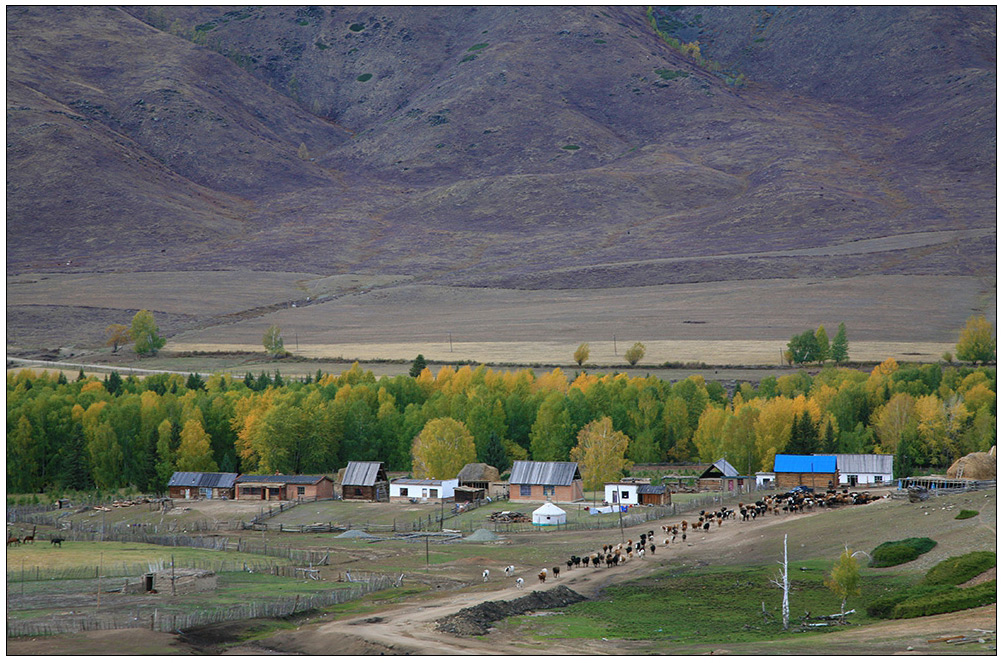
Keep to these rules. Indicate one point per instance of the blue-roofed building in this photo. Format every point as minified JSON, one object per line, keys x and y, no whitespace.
{"x":816,"y":472}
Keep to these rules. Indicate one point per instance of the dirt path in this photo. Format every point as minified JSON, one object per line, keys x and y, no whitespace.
{"x":410,"y":627}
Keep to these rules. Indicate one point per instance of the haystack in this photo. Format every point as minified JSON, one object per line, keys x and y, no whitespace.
{"x":478,"y":472}
{"x":980,"y":465}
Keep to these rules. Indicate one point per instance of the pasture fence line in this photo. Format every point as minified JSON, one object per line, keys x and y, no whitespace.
{"x":134,"y":570}
{"x":171,"y":622}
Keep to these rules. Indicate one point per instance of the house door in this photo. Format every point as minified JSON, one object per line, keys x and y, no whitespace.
{"x":730,"y":484}
{"x":188,"y":493}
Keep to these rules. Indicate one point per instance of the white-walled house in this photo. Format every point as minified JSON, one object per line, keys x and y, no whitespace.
{"x":860,"y":469}
{"x":623,"y":492}
{"x":764,"y":479}
{"x":404,"y":490}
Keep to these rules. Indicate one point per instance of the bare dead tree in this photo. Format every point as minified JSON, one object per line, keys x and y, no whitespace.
{"x":780,"y":580}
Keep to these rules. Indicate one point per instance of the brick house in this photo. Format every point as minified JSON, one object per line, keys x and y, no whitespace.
{"x":282,"y":487}
{"x":536,"y":481}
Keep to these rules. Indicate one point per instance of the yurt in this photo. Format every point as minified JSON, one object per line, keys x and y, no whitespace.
{"x":549,"y":514}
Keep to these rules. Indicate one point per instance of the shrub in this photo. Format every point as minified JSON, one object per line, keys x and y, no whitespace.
{"x":570,"y":147}
{"x":957,"y":570}
{"x":967,"y":513}
{"x":882,"y":608}
{"x":952,"y":600}
{"x":670,"y":74}
{"x":362,"y":78}
{"x":893,"y":553}
{"x":356,"y":27}
{"x":477,"y":47}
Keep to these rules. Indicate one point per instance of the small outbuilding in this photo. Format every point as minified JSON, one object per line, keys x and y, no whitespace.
{"x":366,"y":481}
{"x":481,"y":477}
{"x":625,"y":491}
{"x":765,"y":479}
{"x":407,"y":490}
{"x":549,"y":514}
{"x":654,"y":495}
{"x":816,"y":472}
{"x":201,"y":486}
{"x":721,"y":476}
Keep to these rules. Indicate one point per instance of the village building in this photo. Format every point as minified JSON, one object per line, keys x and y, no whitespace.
{"x":408,"y":490}
{"x":548,"y":514}
{"x":537,"y":481}
{"x":654,"y":495}
{"x":625,"y":491}
{"x":284,"y":487}
{"x":765,"y":479}
{"x":859,"y":469}
{"x":366,"y":481}
{"x":721,"y":476}
{"x":815,"y":472}
{"x":201,"y":486}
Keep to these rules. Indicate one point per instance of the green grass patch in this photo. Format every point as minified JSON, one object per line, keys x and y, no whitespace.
{"x":362,"y":78}
{"x":689,"y":606}
{"x":957,"y":570}
{"x":599,"y":41}
{"x":571,"y":148}
{"x":951,"y":600}
{"x":357,"y":27}
{"x":671,"y":74}
{"x":965,"y":514}
{"x":894,"y":553}
{"x":469,"y":58}
{"x":477,"y":47}
{"x":321,"y":45}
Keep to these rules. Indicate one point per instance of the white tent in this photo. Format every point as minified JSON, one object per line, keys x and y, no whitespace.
{"x":548,"y":514}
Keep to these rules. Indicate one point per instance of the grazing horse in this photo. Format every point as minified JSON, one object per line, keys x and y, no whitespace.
{"x":30,"y":538}
{"x":13,"y":539}
{"x":57,"y":541}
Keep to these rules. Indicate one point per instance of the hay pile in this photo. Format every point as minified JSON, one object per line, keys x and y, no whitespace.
{"x":981,"y":466}
{"x":478,"y":472}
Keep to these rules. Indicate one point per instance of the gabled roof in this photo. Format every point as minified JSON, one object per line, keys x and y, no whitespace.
{"x":805,"y":464}
{"x":863,"y":463}
{"x":203,"y":479}
{"x":649,"y":489}
{"x":720,"y":468}
{"x":554,"y":473}
{"x":281,"y":478}
{"x":363,"y":473}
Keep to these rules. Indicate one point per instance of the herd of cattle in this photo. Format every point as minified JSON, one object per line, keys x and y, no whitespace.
{"x":797,"y":500}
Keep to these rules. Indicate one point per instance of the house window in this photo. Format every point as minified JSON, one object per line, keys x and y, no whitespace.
{"x":301,"y":490}
{"x":852,"y":479}
{"x":404,"y":492}
{"x":878,"y":479}
{"x":548,"y":490}
{"x":524,"y":490}
{"x":358,"y":491}
{"x":425,"y":492}
{"x":433,"y":492}
{"x":624,"y":495}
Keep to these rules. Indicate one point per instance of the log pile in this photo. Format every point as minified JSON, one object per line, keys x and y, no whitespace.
{"x":509,"y":517}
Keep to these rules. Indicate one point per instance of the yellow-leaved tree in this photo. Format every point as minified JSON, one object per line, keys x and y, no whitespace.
{"x":194,"y":452}
{"x":442,"y":449}
{"x":600,"y":453}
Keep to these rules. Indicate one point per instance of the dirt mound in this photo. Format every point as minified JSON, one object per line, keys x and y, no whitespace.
{"x":482,"y":535}
{"x":979,"y":465}
{"x":478,"y":620}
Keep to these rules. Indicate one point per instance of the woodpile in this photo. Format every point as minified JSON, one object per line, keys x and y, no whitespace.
{"x":509,"y":517}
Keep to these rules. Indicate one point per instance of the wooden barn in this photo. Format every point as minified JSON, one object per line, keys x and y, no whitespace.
{"x":366,"y":481}
{"x":281,"y":487}
{"x":816,"y":472}
{"x":201,"y":486}
{"x":721,"y":476}
{"x":536,"y":481}
{"x":655,"y":495}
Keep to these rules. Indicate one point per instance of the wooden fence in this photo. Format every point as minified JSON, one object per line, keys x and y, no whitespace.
{"x":170,"y":622}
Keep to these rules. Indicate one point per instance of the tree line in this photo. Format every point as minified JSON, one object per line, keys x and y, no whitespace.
{"x":86,"y":433}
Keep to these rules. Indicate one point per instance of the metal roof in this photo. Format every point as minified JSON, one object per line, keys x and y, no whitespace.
{"x":805,"y":464}
{"x":280,"y":478}
{"x":863,"y":463}
{"x":649,"y":489}
{"x":362,"y":473}
{"x":420,"y":482}
{"x":203,"y":479}
{"x":553,"y":473}
{"x":722,"y":466}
